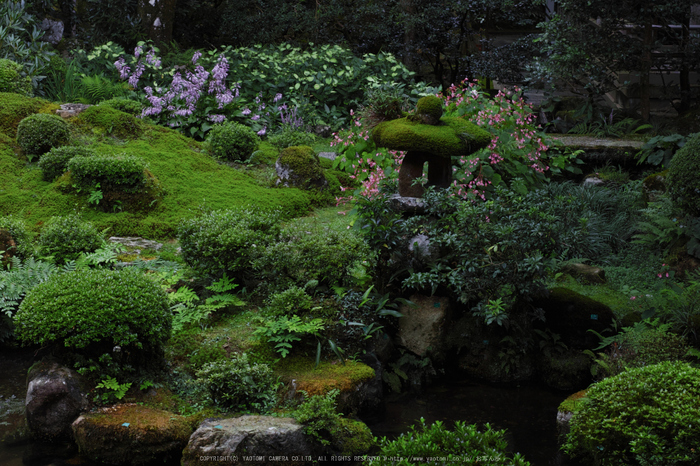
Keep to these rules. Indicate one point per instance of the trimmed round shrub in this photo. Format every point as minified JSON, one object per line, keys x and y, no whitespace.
{"x":11,"y":79}
{"x":20,"y":235}
{"x":40,"y":132}
{"x":647,"y":415}
{"x":227,"y":241}
{"x":100,"y":317}
{"x":232,"y":141}
{"x":683,"y":183}
{"x":289,"y":137}
{"x":131,"y":107}
{"x":65,"y":238}
{"x":111,"y":120}
{"x":300,"y":167}
{"x":124,"y":173}
{"x":54,"y":163}
{"x":239,"y":384}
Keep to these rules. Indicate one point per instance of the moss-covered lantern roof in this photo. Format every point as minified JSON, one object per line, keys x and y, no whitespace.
{"x":451,"y":137}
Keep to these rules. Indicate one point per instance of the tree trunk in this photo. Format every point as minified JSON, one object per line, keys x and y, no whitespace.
{"x":644,"y":87}
{"x":157,"y":17}
{"x":408,"y":10}
{"x":685,"y":102}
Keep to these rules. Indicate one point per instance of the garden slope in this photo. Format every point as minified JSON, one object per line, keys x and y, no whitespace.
{"x":192,"y":181}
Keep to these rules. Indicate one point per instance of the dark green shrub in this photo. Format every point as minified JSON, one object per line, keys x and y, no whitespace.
{"x":240,"y":385}
{"x":38,"y":133}
{"x":20,"y":235}
{"x":100,"y":317}
{"x":310,"y":252}
{"x":300,"y":167}
{"x":682,"y":183}
{"x":232,"y":141}
{"x":64,"y":238}
{"x":122,"y":173}
{"x":293,"y":300}
{"x":14,"y":108}
{"x":111,"y":120}
{"x":642,"y":416}
{"x":54,"y":163}
{"x":11,"y":79}
{"x":289,"y":137}
{"x":464,"y":444}
{"x":227,"y":241}
{"x":131,"y":107}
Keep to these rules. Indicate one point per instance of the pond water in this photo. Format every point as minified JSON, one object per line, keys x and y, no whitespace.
{"x":527,"y":411}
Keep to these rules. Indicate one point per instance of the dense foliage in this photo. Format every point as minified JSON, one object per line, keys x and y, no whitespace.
{"x":437,"y":445}
{"x":64,"y":238}
{"x":641,"y":416}
{"x":682,"y":184}
{"x":104,"y":319}
{"x":55,"y":162}
{"x":123,"y":173}
{"x":232,"y":142}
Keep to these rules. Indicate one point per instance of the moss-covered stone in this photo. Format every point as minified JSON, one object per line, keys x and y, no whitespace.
{"x":352,"y":438}
{"x":428,"y":110}
{"x":571,"y":315}
{"x":111,"y":121}
{"x":573,"y":403}
{"x":131,"y":434}
{"x":653,"y":184}
{"x":451,"y":137}
{"x":299,"y":166}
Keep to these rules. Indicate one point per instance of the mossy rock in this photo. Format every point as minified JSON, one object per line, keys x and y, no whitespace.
{"x":451,"y":137}
{"x":131,"y":434}
{"x":111,"y":121}
{"x":352,"y":438}
{"x":654,"y":183}
{"x":568,"y":370}
{"x":300,"y":167}
{"x":571,"y":315}
{"x":348,"y":378}
{"x":428,"y":110}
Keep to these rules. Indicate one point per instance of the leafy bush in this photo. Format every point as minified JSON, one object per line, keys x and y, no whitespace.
{"x":465,"y":443}
{"x":111,"y":120}
{"x":683,"y":186}
{"x":642,"y":416}
{"x":101,"y":317}
{"x":227,"y":241}
{"x":319,"y":416}
{"x":383,"y":104}
{"x":289,"y":137}
{"x":232,"y":141}
{"x":122,"y":173}
{"x":129,"y":106}
{"x":20,"y":37}
{"x":310,"y":252}
{"x":54,"y":163}
{"x":285,"y":330}
{"x":240,"y":385}
{"x":64,"y":238}
{"x":38,"y":133}
{"x":293,"y":300}
{"x":11,"y":79}
{"x":20,"y":234}
{"x":15,"y":284}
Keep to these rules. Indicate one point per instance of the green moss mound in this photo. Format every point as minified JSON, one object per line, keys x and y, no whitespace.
{"x":193,"y":181}
{"x":11,"y":79}
{"x":131,"y":107}
{"x":14,"y":108}
{"x":39,"y":133}
{"x":452,"y":137}
{"x":89,"y":312}
{"x":650,"y":412}
{"x":683,"y":182}
{"x":110,"y":120}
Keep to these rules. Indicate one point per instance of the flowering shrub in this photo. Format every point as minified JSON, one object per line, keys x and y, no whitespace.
{"x":193,"y":103}
{"x":518,"y":154}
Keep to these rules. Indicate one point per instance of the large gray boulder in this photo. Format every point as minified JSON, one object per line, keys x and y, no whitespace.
{"x":424,"y":325}
{"x":250,"y":440}
{"x":55,"y":397}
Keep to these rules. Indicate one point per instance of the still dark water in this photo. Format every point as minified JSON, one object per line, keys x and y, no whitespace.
{"x":528,"y":412}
